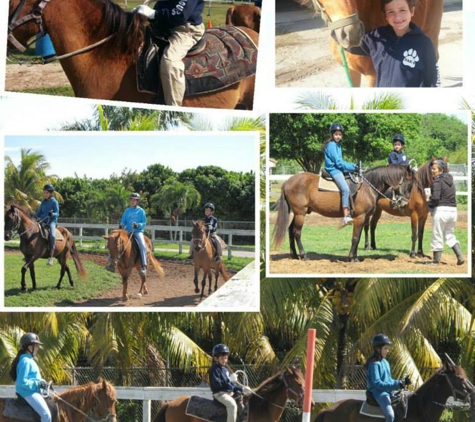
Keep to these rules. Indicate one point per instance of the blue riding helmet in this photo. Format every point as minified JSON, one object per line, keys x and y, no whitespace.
{"x":380,"y":340}
{"x":336,"y":126}
{"x":48,"y":187}
{"x":220,"y":349}
{"x":210,"y":206}
{"x":29,"y":338}
{"x":400,"y":138}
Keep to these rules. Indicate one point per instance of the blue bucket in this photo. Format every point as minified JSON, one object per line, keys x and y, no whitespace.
{"x":44,"y":46}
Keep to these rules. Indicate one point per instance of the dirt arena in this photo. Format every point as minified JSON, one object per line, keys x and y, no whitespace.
{"x":372,"y":262}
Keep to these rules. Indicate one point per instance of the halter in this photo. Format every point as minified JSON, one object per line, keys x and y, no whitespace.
{"x":17,"y":224}
{"x":120,"y":254}
{"x":464,"y":397}
{"x":203,"y":244}
{"x":340,"y":23}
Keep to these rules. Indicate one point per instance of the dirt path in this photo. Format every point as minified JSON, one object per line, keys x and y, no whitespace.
{"x":21,"y":77}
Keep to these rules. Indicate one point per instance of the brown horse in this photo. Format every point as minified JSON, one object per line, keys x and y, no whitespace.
{"x":124,"y":252}
{"x":93,"y":401}
{"x":107,"y":71}
{"x":425,"y":405}
{"x":265,"y":405}
{"x":300,"y":195}
{"x":33,"y":246}
{"x":417,"y":208}
{"x":246,"y":15}
{"x":203,"y":258}
{"x":346,"y":17}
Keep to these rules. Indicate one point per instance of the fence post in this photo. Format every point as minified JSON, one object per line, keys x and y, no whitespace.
{"x":180,"y":245}
{"x":147,"y":411}
{"x":153,"y":240}
{"x":307,"y":401}
{"x":230,"y":245}
{"x":80,"y":236}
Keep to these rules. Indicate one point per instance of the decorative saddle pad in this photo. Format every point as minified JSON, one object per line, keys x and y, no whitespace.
{"x":212,"y":410}
{"x":19,"y":409}
{"x":44,"y":230}
{"x":225,"y":56}
{"x":400,"y":411}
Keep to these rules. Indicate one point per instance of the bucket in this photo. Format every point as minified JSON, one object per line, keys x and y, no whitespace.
{"x":44,"y":46}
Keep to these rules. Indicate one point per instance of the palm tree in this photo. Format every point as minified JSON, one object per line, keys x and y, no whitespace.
{"x":107,"y":205}
{"x":315,"y":100}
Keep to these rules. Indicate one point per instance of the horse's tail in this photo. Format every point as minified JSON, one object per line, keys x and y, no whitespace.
{"x":77,"y":260}
{"x":223,"y":272}
{"x":156,"y":265}
{"x":161,"y":414}
{"x":282,"y":222}
{"x":229,"y":16}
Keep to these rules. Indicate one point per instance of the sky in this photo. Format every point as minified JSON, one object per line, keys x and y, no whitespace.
{"x":99,"y":155}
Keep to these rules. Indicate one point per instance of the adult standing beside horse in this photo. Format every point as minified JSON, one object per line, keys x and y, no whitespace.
{"x":48,"y":214}
{"x":181,"y":20}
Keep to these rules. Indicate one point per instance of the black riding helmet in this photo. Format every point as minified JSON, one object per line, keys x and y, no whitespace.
{"x":380,"y":340}
{"x":210,"y":206}
{"x":220,"y":349}
{"x":400,"y":138}
{"x":29,"y":338}
{"x":48,"y":187}
{"x":336,"y":126}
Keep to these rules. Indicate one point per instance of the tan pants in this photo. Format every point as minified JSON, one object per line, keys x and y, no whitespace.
{"x":172,"y":68}
{"x":230,"y":403}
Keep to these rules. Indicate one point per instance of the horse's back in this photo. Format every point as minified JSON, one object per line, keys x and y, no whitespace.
{"x":301,"y":186}
{"x":246,"y":15}
{"x":344,"y":410}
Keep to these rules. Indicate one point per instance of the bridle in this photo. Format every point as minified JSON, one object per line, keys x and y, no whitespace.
{"x":119,"y":243}
{"x":462,"y":395}
{"x":340,"y":23}
{"x":200,"y":240}
{"x":36,"y":15}
{"x":16,"y":221}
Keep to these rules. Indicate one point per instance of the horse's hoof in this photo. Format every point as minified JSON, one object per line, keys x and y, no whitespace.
{"x":125,"y":298}
{"x":355,"y":259}
{"x":197,"y":290}
{"x":139,"y":295}
{"x":413,"y":255}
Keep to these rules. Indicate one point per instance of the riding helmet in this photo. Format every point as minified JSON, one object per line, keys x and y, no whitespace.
{"x":441,"y":164}
{"x":134,"y":195}
{"x":220,"y":349}
{"x":400,"y":138}
{"x":29,"y":338}
{"x":48,"y":187}
{"x":210,"y":206}
{"x":380,"y":340}
{"x":336,"y":126}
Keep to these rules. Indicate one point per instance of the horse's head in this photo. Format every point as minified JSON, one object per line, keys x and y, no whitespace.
{"x":295,"y":383}
{"x":106,"y":398}
{"x":198,"y":235}
{"x":115,"y":245}
{"x":12,"y":221}
{"x":342,"y":18}
{"x":457,"y":383}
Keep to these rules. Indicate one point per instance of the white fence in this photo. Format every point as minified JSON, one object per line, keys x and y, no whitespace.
{"x":148,"y":394}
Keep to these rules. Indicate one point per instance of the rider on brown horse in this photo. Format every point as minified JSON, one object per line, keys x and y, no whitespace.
{"x":380,"y":383}
{"x":181,"y":22}
{"x":211,"y":223}
{"x":48,"y":214}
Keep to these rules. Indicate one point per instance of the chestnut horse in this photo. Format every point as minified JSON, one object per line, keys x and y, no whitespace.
{"x":266,"y":404}
{"x":425,"y":405}
{"x":417,"y":208}
{"x":93,"y":401}
{"x":246,"y":15}
{"x":203,"y":258}
{"x":106,"y":71}
{"x":347,"y":17}
{"x":300,"y":195}
{"x":33,"y":246}
{"x":124,"y":252}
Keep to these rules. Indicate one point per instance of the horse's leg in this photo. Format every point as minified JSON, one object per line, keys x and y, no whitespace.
{"x":33,"y":275}
{"x":355,"y":78}
{"x":358,"y":224}
{"x":143,"y":287}
{"x":414,"y":234}
{"x":125,"y":277}
{"x":216,"y":276}
{"x":295,"y":233}
{"x":210,"y":281}
{"x":420,"y":229}
{"x":195,"y":280}
{"x":203,"y":285}
{"x":374,"y":222}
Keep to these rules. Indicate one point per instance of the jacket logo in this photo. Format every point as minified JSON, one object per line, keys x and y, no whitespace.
{"x":410,"y":58}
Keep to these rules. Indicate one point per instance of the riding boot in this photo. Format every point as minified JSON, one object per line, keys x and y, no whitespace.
{"x":458,"y":253}
{"x":436,"y":258}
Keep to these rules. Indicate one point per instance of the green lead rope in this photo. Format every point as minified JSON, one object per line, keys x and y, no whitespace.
{"x":345,"y":66}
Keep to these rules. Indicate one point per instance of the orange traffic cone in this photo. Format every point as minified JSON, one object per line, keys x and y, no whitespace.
{"x":209,"y":24}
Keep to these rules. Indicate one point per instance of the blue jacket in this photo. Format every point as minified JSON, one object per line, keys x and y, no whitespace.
{"x":171,"y":13}
{"x":211,"y":222}
{"x":45,"y":207}
{"x":379,"y":380}
{"x":219,"y":380}
{"x":334,"y":162}
{"x":134,"y":215}
{"x":398,"y":158}
{"x":28,"y":376}
{"x":407,"y":61}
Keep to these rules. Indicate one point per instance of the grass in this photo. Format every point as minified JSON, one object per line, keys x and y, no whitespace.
{"x":63,"y":91}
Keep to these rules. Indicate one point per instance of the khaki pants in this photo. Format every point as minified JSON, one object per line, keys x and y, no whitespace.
{"x":230,"y":403}
{"x":172,"y":68}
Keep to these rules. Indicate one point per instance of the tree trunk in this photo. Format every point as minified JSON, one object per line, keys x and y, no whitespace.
{"x":341,"y":353}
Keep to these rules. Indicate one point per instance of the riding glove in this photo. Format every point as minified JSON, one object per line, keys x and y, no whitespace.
{"x":134,"y":225}
{"x":50,"y":213}
{"x":144,"y":10}
{"x":407,"y":380}
{"x":43,"y":385}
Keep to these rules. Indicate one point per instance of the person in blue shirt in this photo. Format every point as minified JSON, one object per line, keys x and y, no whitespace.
{"x":28,"y":381}
{"x":182,"y":22}
{"x":379,"y":380}
{"x":134,"y":221}
{"x":220,"y":383}
{"x":402,"y":55}
{"x":211,"y":223}
{"x":336,"y":167}
{"x":398,"y":156}
{"x":48,"y":214}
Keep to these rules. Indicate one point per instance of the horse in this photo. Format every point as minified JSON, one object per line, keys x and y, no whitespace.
{"x":266,"y":404}
{"x":417,"y":208}
{"x":300,"y":195}
{"x":124,"y":252}
{"x":203,"y":258}
{"x":103,"y":43}
{"x":92,"y":401}
{"x":425,"y":405}
{"x":348,"y":18}
{"x":246,"y":15}
{"x":33,"y":246}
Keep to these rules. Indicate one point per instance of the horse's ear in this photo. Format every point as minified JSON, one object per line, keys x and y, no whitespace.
{"x":12,"y":208}
{"x":105,"y":237}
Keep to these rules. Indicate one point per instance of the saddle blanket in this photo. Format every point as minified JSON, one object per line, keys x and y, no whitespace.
{"x":206,"y":409}
{"x":45,"y":234}
{"x":327,"y":185}
{"x":376,"y":412}
{"x":227,"y":56}
{"x":19,"y":409}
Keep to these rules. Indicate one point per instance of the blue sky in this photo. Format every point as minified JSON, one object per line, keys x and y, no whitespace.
{"x":99,"y":155}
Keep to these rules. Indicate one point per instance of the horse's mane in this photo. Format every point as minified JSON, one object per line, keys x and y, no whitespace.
{"x":424,"y":175}
{"x":385,"y":174}
{"x":22,"y":208}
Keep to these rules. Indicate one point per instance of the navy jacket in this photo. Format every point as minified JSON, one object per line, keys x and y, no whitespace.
{"x":407,"y":61}
{"x":219,"y":380}
{"x":211,"y":223}
{"x":171,"y":13}
{"x":398,"y":158}
{"x":443,"y":192}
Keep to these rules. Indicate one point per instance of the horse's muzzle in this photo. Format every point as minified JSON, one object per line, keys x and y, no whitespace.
{"x":349,"y":35}
{"x":8,"y":235}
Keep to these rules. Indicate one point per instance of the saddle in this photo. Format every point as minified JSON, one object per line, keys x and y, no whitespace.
{"x":371,"y":408}
{"x":223,"y":57}
{"x":44,"y":231}
{"x":20,"y":409}
{"x":327,"y":184}
{"x":213,"y":410}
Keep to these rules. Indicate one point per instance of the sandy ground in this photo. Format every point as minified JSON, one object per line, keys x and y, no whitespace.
{"x":303,"y":57}
{"x":176,"y":289}
{"x":21,"y":77}
{"x":372,"y":262}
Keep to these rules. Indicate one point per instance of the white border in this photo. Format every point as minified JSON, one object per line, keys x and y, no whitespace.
{"x":372,"y":275}
{"x":112,"y":136}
